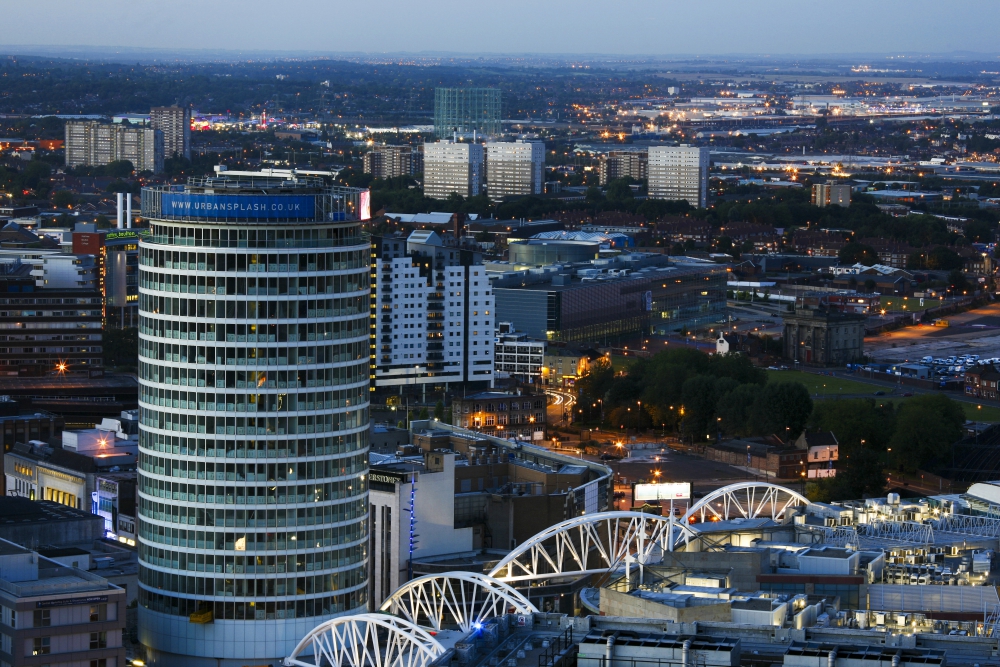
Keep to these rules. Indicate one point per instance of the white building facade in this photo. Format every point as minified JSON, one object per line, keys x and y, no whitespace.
{"x":679,"y":172}
{"x":516,"y":355}
{"x":430,"y":489}
{"x":514,"y":168}
{"x":253,"y":373}
{"x":452,"y":168}
{"x":434,"y":313}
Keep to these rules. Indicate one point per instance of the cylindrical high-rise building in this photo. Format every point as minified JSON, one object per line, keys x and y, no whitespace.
{"x":253,"y":369}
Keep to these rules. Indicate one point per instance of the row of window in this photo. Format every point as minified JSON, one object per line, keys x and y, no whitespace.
{"x":260,"y":518}
{"x":298,"y":561}
{"x":253,"y":310}
{"x":276,"y":402}
{"x":98,"y":640}
{"x":239,"y":587}
{"x":502,"y":406}
{"x":491,"y":420}
{"x":281,"y":355}
{"x":230,"y":286}
{"x":253,"y":333}
{"x":250,"y":448}
{"x":305,"y":378}
{"x":271,"y":425}
{"x":299,"y":236}
{"x":325,"y":468}
{"x":244,"y":541}
{"x":255,"y":610}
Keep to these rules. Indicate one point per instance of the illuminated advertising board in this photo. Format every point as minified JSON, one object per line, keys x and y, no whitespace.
{"x":665,"y":491}
{"x":277,"y":207}
{"x":365,"y":201}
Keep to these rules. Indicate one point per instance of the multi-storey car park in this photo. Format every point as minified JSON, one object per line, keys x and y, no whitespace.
{"x":254,"y":348}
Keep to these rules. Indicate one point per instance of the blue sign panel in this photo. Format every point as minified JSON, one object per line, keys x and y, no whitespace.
{"x":276,"y":207}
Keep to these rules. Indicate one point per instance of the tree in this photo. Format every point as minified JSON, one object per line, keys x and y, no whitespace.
{"x":870,"y":285}
{"x":618,"y":190}
{"x":439,"y":410}
{"x":735,"y":407}
{"x":102,"y":222}
{"x":782,"y":409}
{"x":855,"y":253}
{"x":926,"y":428}
{"x":863,"y":430}
{"x":594,"y":195}
{"x":700,"y":396}
{"x":63,"y":199}
{"x":958,"y":282}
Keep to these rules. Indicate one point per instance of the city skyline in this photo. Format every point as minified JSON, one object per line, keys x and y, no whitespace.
{"x":782,"y":28}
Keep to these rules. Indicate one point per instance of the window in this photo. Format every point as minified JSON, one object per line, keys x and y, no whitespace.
{"x":98,"y":612}
{"x":98,"y":640}
{"x":41,"y":646}
{"x":43,"y":618}
{"x":102,"y":662}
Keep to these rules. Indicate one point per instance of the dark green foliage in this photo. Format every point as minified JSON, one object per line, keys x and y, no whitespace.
{"x":854,"y":253}
{"x":926,"y":427}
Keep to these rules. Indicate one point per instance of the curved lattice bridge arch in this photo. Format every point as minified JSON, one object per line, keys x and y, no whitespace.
{"x":366,"y":640}
{"x":463,"y":599}
{"x":746,"y":500}
{"x":591,"y":544}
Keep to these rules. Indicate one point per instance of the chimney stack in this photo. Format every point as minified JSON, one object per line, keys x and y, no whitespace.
{"x":120,"y":212}
{"x":458,"y":226}
{"x":128,"y":209}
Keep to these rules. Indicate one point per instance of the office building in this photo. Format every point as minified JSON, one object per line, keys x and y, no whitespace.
{"x":67,"y":472}
{"x":831,"y":194}
{"x":564,"y":366}
{"x":48,"y":330}
{"x":57,"y":615}
{"x":93,"y":143}
{"x":389,"y":161}
{"x":679,"y":172}
{"x":518,"y":415}
{"x":410,"y":496}
{"x":452,"y":168}
{"x":175,"y":124}
{"x":597,"y":307}
{"x":518,"y":356}
{"x":254,"y":342}
{"x":466,"y":113}
{"x":514,"y":168}
{"x":433,"y":313}
{"x":116,"y":253}
{"x":623,"y":164}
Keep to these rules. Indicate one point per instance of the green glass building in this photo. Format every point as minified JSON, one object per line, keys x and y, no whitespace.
{"x":466,"y":111}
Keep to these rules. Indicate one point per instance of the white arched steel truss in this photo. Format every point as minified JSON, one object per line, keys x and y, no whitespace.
{"x":746,"y":500}
{"x":463,"y":599}
{"x":366,"y":640}
{"x":591,"y":544}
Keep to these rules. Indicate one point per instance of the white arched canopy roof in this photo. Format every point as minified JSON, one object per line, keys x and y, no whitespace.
{"x":590,"y":544}
{"x":747,"y":500}
{"x":464,"y":599}
{"x":366,"y":640}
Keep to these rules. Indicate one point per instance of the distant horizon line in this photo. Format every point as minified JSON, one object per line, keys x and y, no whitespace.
{"x":111,"y":53}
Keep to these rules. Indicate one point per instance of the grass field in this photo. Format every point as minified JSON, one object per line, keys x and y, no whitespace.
{"x":821,"y":384}
{"x":894,"y":304}
{"x":833,"y":386}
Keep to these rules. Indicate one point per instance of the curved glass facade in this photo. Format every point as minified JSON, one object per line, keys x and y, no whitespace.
{"x":253,"y":358}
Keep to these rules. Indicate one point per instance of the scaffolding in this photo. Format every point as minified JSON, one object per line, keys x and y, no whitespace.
{"x":466,"y":112}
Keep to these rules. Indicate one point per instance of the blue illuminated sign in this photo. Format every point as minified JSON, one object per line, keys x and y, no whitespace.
{"x":190,"y":205}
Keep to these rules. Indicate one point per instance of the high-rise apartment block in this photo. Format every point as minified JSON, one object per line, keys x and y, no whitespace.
{"x":254,"y":355}
{"x":452,"y":167}
{"x":679,"y":172}
{"x":433,"y":313}
{"x":514,"y":168}
{"x":831,"y":194}
{"x":175,"y":123}
{"x":466,"y":112}
{"x":389,"y":161}
{"x":91,"y":142}
{"x":623,"y":164}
